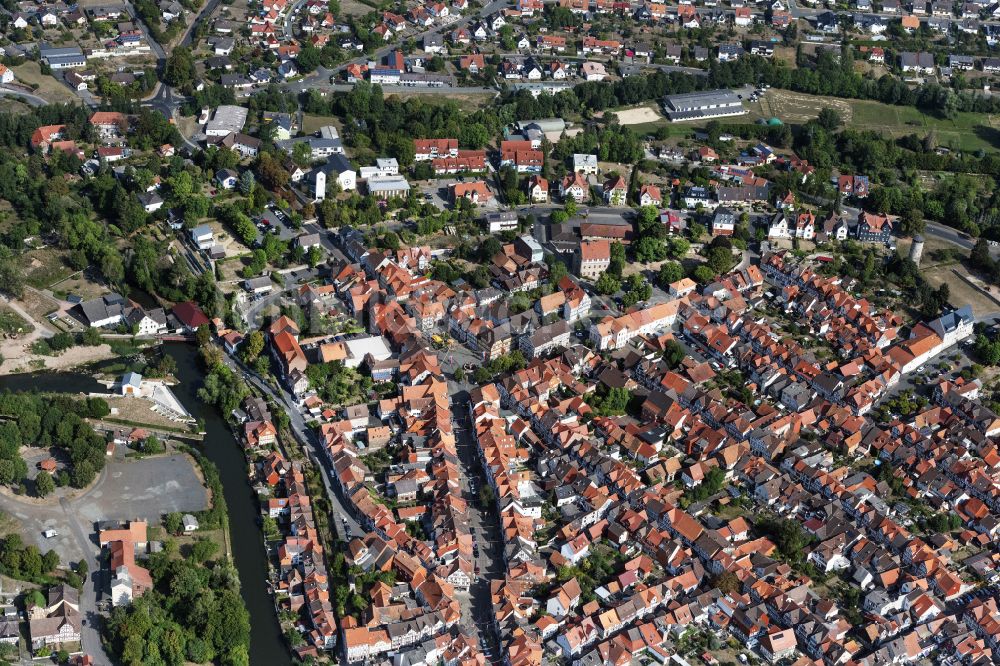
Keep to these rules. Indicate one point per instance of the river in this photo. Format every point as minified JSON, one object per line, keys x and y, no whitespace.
{"x":267,"y":645}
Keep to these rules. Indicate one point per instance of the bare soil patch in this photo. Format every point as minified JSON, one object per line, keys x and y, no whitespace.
{"x":638,"y":115}
{"x":961,"y":291}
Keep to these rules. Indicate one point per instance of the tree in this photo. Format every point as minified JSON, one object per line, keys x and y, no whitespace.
{"x":11,"y":275}
{"x":179,"y":70}
{"x":91,"y":337}
{"x":50,"y":560}
{"x":44,"y":484}
{"x":720,"y":259}
{"x":829,"y":119}
{"x":557,"y":269}
{"x":677,"y":247}
{"x":670,"y":272}
{"x":481,"y":375}
{"x":314,"y":256}
{"x":173,"y":523}
{"x":607,"y":284}
{"x":650,"y":249}
{"x":980,"y":255}
{"x":309,"y":58}
{"x":253,"y":345}
{"x":703,"y":274}
{"x":152,"y":445}
{"x":302,"y":154}
{"x":912,"y":222}
{"x":202,"y":550}
{"x":486,"y":496}
{"x":246,"y":183}
{"x":674,"y":353}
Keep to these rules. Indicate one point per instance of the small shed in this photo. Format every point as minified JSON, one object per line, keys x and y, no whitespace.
{"x":190,"y":522}
{"x":131,"y":383}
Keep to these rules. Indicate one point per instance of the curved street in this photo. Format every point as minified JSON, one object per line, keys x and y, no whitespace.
{"x":33,"y":100}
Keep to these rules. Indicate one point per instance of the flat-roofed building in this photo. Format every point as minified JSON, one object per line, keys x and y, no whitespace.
{"x":385,"y":187}
{"x":228,"y":118}
{"x":701,"y":105}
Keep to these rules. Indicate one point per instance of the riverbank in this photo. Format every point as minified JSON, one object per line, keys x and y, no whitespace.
{"x":222,"y":448}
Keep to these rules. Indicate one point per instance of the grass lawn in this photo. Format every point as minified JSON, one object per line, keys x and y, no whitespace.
{"x":675,"y":129}
{"x":13,"y":105}
{"x":45,"y":267}
{"x":311,"y":124}
{"x":53,"y":91}
{"x":967,"y":131}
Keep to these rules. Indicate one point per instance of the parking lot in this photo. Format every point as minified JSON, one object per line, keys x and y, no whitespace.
{"x":126,"y":490}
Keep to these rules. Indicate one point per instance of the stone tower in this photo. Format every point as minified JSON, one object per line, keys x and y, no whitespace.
{"x":917,"y":249}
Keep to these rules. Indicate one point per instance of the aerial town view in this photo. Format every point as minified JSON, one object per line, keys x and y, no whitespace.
{"x":500,"y":332}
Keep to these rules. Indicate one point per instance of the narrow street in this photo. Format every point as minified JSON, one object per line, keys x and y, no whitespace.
{"x":343,"y":520}
{"x":477,"y":608}
{"x":90,"y":633}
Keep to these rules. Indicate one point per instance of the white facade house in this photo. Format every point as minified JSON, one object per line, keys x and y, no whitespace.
{"x":954,"y":326}
{"x":337,"y":169}
{"x":202,"y":236}
{"x":585,"y":164}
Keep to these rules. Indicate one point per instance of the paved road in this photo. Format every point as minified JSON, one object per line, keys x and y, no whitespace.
{"x":955,"y":237}
{"x":90,"y":634}
{"x":33,"y":100}
{"x":289,"y":28}
{"x":205,"y":13}
{"x":300,"y":86}
{"x":939,"y":231}
{"x":609,"y":214}
{"x":253,"y":314}
{"x":484,"y":524}
{"x":161,"y":55}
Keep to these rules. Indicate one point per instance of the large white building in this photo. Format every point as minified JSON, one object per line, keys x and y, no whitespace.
{"x":702,"y":105}
{"x":614,"y":333}
{"x":954,"y":326}
{"x":228,"y":118}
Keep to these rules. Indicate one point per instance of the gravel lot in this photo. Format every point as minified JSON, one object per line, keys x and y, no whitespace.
{"x":131,"y":489}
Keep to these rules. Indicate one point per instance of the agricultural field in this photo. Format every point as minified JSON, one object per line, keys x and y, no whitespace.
{"x":12,"y":323}
{"x":357,"y":7}
{"x":967,"y":131}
